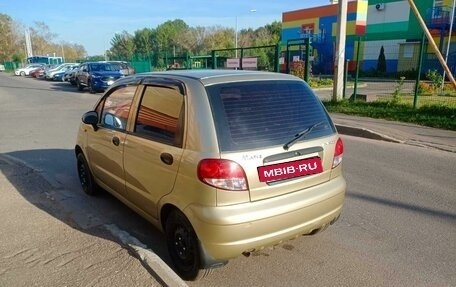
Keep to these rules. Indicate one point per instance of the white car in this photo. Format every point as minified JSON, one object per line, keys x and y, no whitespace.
{"x":27,"y":69}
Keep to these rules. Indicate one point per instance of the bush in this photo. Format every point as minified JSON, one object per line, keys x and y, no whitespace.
{"x":297,"y":69}
{"x":320,"y":82}
{"x":435,"y":78}
{"x":425,"y":88}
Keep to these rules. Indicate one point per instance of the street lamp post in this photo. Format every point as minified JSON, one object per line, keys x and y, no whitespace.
{"x":63,"y":52}
{"x":236,"y":33}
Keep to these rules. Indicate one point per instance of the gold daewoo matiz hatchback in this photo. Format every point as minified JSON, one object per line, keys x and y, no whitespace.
{"x":223,"y":162}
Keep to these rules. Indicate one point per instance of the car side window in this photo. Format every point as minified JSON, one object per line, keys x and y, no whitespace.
{"x":161,"y":115}
{"x":116,"y":107}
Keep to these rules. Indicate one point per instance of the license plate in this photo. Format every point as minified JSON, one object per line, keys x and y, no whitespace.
{"x":290,"y":169}
{"x":110,"y":83}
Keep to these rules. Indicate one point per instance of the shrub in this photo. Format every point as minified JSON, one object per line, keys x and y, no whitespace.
{"x":297,"y":69}
{"x":398,"y":91}
{"x":425,"y":88}
{"x":435,"y":78}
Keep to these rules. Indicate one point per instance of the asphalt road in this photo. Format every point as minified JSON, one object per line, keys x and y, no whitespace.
{"x":398,"y":226}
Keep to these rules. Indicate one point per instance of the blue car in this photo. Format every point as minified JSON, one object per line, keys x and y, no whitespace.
{"x":96,"y":76}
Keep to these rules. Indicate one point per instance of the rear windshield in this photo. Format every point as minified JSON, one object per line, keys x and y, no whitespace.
{"x":251,"y":115}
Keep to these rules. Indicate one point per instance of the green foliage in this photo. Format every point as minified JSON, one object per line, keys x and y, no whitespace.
{"x":397,"y":92}
{"x":438,"y":116}
{"x":435,"y":78}
{"x":122,"y":46}
{"x":6,"y":37}
{"x":95,"y":58}
{"x":18,"y":57}
{"x":320,"y":82}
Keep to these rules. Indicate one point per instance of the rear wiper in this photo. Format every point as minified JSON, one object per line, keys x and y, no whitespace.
{"x":301,"y":134}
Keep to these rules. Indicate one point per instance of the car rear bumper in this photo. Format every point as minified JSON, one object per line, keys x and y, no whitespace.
{"x":228,"y":231}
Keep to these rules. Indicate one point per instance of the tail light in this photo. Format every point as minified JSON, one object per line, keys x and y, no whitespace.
{"x":222,"y":173}
{"x":338,"y":153}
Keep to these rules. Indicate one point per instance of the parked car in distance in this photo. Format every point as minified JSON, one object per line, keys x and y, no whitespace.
{"x":40,"y":74}
{"x":58,"y":76}
{"x":2,"y":68}
{"x":70,"y":74}
{"x":124,"y":67}
{"x":49,"y":74}
{"x":223,"y":162}
{"x":25,"y":71}
{"x":35,"y":73}
{"x":96,"y":76}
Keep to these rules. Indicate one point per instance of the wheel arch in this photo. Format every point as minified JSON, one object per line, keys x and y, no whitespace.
{"x":165,"y":212}
{"x":78,"y":150}
{"x":206,"y":260}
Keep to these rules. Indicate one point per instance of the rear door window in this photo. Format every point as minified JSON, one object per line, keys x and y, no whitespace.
{"x":161,"y":114}
{"x":250,"y":115}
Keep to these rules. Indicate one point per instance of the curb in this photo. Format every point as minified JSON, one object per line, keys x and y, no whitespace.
{"x":365,"y":133}
{"x":369,"y":134}
{"x":154,"y":264}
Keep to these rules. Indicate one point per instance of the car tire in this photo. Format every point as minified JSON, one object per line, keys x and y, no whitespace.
{"x":78,"y":84}
{"x":23,"y":74}
{"x":91,"y":89}
{"x":85,"y":175}
{"x":183,"y":247}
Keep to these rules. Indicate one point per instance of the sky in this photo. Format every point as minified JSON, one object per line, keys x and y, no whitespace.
{"x":93,"y":23}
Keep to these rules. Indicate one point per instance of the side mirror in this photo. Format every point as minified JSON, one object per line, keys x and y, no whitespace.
{"x":91,"y":118}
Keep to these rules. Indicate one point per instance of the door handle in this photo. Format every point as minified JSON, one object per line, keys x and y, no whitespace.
{"x":116,"y":141}
{"x":167,"y":158}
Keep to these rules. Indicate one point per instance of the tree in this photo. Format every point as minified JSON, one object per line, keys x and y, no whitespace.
{"x":122,"y":47}
{"x":42,"y":39}
{"x":8,"y":39}
{"x":144,"y":42}
{"x":381,"y":63}
{"x":219,"y":38}
{"x":170,"y":36}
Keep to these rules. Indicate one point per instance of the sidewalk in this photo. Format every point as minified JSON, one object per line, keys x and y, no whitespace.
{"x":395,"y":132}
{"x":41,"y":246}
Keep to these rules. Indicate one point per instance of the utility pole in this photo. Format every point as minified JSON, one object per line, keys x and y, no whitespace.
{"x":338,"y":87}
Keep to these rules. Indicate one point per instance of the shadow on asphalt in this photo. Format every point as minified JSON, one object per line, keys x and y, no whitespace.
{"x":69,"y":204}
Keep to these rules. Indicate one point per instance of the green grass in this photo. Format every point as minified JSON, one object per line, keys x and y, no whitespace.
{"x":437,"y":115}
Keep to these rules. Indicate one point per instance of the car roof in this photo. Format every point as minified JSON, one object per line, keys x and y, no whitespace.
{"x":95,"y":62}
{"x":207,"y":77}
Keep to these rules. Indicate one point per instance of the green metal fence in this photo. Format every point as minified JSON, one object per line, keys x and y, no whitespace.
{"x":408,"y":72}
